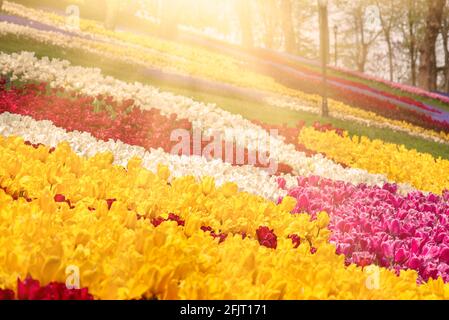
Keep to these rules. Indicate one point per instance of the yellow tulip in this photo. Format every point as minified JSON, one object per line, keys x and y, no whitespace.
{"x":399,"y":164}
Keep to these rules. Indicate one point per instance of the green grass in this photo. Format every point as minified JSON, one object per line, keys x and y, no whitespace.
{"x":248,"y":109}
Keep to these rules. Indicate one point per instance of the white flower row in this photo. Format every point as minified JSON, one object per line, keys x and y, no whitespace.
{"x":249,"y":179}
{"x":25,"y":66}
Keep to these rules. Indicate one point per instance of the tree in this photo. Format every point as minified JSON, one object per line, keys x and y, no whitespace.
{"x":427,"y":71}
{"x":304,"y":17}
{"x":268,"y":11}
{"x":112,"y":8}
{"x":363,"y":31}
{"x":445,"y":37}
{"x":169,"y":18}
{"x":287,"y":26}
{"x":244,"y":15}
{"x":364,"y":37}
{"x":410,"y":26}
{"x":389,"y":17}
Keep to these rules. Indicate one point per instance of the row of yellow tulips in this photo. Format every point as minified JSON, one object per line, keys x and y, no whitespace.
{"x":400,"y":164}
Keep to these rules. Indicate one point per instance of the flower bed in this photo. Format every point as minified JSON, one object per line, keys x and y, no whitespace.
{"x":248,"y":178}
{"x":366,"y":102}
{"x":344,"y":112}
{"x":372,"y":225}
{"x":87,"y":183}
{"x":26,"y":67}
{"x":398,"y":86}
{"x":106,"y":119}
{"x":264,"y":233}
{"x":310,"y":66}
{"x":103,"y":217}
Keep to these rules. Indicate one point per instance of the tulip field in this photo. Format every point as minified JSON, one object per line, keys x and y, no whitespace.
{"x":157,"y":169}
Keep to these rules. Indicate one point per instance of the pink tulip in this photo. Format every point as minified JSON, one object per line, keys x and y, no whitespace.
{"x":389,"y":226}
{"x":400,"y":256}
{"x":444,"y":255}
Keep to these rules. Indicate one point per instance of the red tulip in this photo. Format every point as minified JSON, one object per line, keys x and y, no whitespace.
{"x":60,"y":198}
{"x":266,"y":237}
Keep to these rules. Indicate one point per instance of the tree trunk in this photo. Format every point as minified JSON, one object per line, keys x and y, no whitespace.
{"x":446,"y":67}
{"x":386,"y":24}
{"x":409,"y":31}
{"x":1,"y":5}
{"x":287,"y":26}
{"x":444,"y":33}
{"x":362,"y":59}
{"x":387,"y":34}
{"x":427,"y":76}
{"x":244,"y":13}
{"x":112,"y":7}
{"x":413,"y":69}
{"x":412,"y":45}
{"x":390,"y":59}
{"x":268,"y":9}
{"x":445,"y":36}
{"x":359,"y":32}
{"x":169,"y":18}
{"x":363,"y":49}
